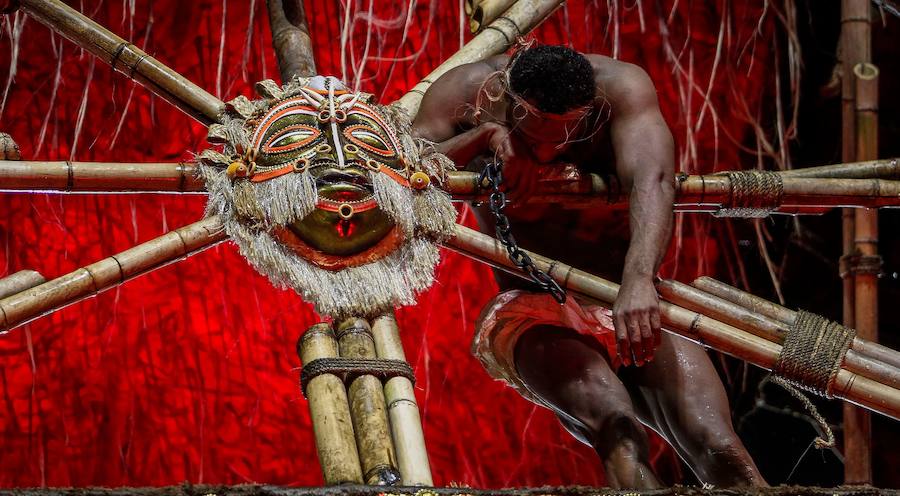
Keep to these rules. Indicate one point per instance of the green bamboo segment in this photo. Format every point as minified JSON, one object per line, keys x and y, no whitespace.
{"x":329,"y":410}
{"x":126,"y":58}
{"x":368,"y":409}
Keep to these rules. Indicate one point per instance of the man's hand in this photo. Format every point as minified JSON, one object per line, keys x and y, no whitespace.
{"x":520,"y":172}
{"x":636,"y":318}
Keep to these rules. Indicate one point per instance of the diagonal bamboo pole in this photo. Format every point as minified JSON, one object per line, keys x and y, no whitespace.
{"x":496,"y":38}
{"x":692,"y":325}
{"x":20,"y":281}
{"x":290,"y":38}
{"x":25,"y":306}
{"x":125,"y":58}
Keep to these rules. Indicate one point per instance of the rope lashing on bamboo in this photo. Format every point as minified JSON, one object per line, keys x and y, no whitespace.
{"x":754,"y":194}
{"x":348,"y":369}
{"x":811,"y":356}
{"x":861,"y":264}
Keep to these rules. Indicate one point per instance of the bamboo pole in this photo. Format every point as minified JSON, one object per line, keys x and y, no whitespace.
{"x":520,"y":19}
{"x":329,"y":410}
{"x":290,"y":38}
{"x":888,"y":168}
{"x":368,"y":410}
{"x":765,"y":327}
{"x":786,"y":316}
{"x":692,"y":325}
{"x":125,"y":58}
{"x":486,"y":12}
{"x":717,"y":189}
{"x":406,"y":424}
{"x":100,"y":177}
{"x":87,"y":281}
{"x":20,"y":281}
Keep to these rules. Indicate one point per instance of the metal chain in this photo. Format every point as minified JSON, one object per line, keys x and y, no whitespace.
{"x":492,"y":177}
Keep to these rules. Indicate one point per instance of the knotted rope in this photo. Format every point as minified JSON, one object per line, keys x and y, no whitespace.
{"x":348,"y":369}
{"x":754,"y":194}
{"x":810,"y":359}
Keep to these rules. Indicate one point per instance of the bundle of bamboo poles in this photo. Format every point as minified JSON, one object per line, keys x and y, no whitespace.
{"x":365,"y":432}
{"x":872,"y":383}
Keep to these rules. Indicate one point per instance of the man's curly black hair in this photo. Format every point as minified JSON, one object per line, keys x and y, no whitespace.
{"x":555,"y":78}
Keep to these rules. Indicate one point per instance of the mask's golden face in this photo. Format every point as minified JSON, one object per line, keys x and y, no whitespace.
{"x":328,"y":193}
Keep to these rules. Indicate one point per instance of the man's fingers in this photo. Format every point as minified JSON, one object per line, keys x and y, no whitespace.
{"x":635,"y":338}
{"x":656,"y":326}
{"x":647,"y":341}
{"x":622,"y":339}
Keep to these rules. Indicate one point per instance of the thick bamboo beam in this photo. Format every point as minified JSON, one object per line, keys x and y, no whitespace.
{"x":290,"y":38}
{"x":20,"y":281}
{"x":496,"y":38}
{"x":125,"y":58}
{"x":717,"y":189}
{"x":406,"y":424}
{"x":692,"y":325}
{"x":100,"y":177}
{"x":486,"y":12}
{"x":888,"y":168}
{"x":25,"y":306}
{"x":786,"y":316}
{"x":368,"y":410}
{"x":765,"y":327}
{"x":329,"y":410}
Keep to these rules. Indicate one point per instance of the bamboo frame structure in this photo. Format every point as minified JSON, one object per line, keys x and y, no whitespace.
{"x":126,"y":58}
{"x":403,"y":411}
{"x":290,"y":39}
{"x":695,"y":326}
{"x":520,"y":19}
{"x":368,"y":410}
{"x":329,"y":410}
{"x":25,"y":306}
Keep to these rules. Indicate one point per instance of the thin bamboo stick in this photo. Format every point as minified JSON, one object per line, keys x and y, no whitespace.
{"x":87,"y":281}
{"x":786,"y":316}
{"x":520,"y":19}
{"x":368,"y":410}
{"x":329,"y":410}
{"x":486,"y":12}
{"x":692,"y":325}
{"x":290,"y":38}
{"x":125,"y":58}
{"x":100,"y":177}
{"x":765,"y":327}
{"x":20,"y":281}
{"x":406,"y":424}
{"x":888,"y":168}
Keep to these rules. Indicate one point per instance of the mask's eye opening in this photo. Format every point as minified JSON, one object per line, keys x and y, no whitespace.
{"x":369,"y":139}
{"x":291,"y":138}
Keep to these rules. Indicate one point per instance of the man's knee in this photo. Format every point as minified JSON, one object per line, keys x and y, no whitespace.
{"x":717,"y":455}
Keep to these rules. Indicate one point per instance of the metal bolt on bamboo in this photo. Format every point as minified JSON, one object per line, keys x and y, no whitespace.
{"x":125,"y":58}
{"x":367,"y":407}
{"x":692,"y":325}
{"x":406,"y":423}
{"x":329,"y":410}
{"x":87,"y":281}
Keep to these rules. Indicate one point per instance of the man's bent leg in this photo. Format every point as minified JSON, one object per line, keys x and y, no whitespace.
{"x":686,"y":403}
{"x":570,"y":373}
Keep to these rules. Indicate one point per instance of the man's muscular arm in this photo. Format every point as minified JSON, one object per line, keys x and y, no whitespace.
{"x":644,"y":152}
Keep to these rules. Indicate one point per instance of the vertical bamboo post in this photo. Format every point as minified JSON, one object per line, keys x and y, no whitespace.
{"x":367,"y":407}
{"x":406,"y":424}
{"x":329,"y":410}
{"x":290,"y":38}
{"x":125,"y":58}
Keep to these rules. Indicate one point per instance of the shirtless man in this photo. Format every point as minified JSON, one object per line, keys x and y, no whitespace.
{"x":550,"y":105}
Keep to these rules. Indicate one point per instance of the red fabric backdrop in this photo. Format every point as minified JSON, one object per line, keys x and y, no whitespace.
{"x":189,"y":373}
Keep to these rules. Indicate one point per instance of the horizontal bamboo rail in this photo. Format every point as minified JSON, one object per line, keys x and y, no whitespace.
{"x":716,"y":190}
{"x":125,"y":58}
{"x":100,"y":177}
{"x":520,"y":19}
{"x":786,"y":316}
{"x":701,"y":328}
{"x":25,"y":306}
{"x":20,"y":281}
{"x":765,"y":327}
{"x":888,"y":168}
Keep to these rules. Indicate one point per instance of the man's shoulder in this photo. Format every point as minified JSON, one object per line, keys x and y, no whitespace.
{"x":470,"y":77}
{"x":620,"y":81}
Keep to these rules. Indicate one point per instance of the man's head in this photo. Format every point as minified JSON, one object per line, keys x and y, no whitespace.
{"x":552,"y":89}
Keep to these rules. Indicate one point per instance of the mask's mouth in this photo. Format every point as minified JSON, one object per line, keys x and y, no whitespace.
{"x":348,"y":185}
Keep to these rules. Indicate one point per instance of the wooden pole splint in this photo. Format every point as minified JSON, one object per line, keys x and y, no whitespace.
{"x":329,"y":410}
{"x":403,"y":411}
{"x":692,"y":325}
{"x":87,"y":281}
{"x":367,"y":407}
{"x":125,"y":58}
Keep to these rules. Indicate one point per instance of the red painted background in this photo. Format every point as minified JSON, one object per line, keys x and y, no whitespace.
{"x":190,"y":373}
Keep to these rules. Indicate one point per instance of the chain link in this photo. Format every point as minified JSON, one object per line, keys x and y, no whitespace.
{"x":492,"y":177}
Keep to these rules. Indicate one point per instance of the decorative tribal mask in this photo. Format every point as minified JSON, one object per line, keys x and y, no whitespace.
{"x":327,"y":193}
